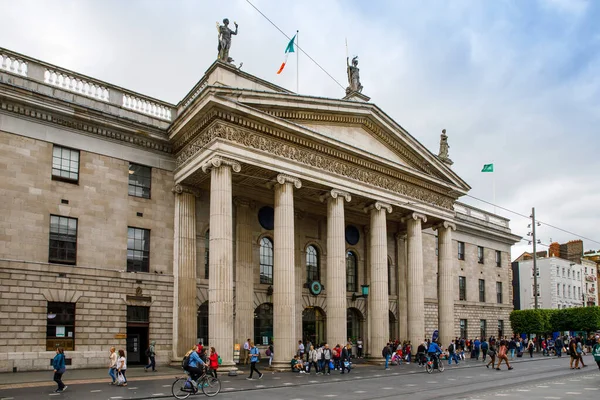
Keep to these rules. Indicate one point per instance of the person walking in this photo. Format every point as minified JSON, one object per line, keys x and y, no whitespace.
{"x":345,"y":358}
{"x":492,"y":353}
{"x":122,"y":366}
{"x":596,"y":351}
{"x":112,"y":365}
{"x":254,"y":353}
{"x":530,"y":348}
{"x":580,"y":353}
{"x":502,"y":355}
{"x":213,"y":362}
{"x":476,"y":348}
{"x":512,"y":347}
{"x":386,"y":353}
{"x":313,"y":359}
{"x":359,"y":346}
{"x":421,"y":350}
{"x":269,"y":354}
{"x":558,"y":345}
{"x":484,"y":349}
{"x":452,"y":353}
{"x":327,"y":358}
{"x":58,"y":363}
{"x":151,"y":354}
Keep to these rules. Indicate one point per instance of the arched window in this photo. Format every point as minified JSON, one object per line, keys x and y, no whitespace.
{"x":351,"y":272}
{"x":313,"y":269}
{"x":263,"y":324}
{"x":266,"y":261}
{"x":206,"y":251}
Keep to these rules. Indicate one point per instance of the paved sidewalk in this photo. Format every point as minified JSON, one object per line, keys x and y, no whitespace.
{"x":84,"y":376}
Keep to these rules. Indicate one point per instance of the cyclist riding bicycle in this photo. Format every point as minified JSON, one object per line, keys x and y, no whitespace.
{"x":433,"y":351}
{"x":195,"y":366}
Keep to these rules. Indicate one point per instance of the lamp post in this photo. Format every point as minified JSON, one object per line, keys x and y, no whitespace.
{"x":364,"y":289}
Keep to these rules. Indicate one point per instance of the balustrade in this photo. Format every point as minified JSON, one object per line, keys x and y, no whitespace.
{"x":146,"y":107}
{"x":76,"y":84}
{"x":13,"y":64}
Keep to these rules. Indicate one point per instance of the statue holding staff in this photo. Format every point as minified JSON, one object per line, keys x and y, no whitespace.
{"x":225,"y":40}
{"x":353,"y":76}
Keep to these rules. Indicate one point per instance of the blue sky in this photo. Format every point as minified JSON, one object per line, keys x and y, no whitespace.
{"x":513,"y":82}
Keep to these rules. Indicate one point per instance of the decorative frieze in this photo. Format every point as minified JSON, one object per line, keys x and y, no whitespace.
{"x":313,"y":158}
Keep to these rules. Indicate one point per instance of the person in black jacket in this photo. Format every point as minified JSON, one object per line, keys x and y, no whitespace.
{"x":345,"y":358}
{"x":421,"y":350}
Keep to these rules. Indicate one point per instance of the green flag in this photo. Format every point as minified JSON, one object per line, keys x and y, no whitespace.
{"x":488,"y":168}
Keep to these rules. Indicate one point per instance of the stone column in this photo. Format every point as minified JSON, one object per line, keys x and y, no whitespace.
{"x":185,"y":311}
{"x":220,"y":275}
{"x":284,"y":285}
{"x":446,"y":283}
{"x":244,"y":279}
{"x":336,"y":267}
{"x":378,"y":291}
{"x":415,"y":289}
{"x":402,"y":287}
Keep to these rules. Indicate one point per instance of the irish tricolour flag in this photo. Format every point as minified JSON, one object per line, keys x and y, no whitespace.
{"x":289,"y":49}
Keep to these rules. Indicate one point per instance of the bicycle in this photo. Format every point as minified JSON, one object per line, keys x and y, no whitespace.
{"x":182,"y":388}
{"x":430,"y":364}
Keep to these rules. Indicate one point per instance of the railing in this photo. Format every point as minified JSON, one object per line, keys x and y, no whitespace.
{"x":13,"y":64}
{"x":76,"y":84}
{"x":146,"y":107}
{"x":70,"y":81}
{"x":195,"y":92}
{"x":481,"y":215}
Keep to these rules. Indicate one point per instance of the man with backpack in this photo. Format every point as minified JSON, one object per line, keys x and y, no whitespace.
{"x":151,"y":354}
{"x":484,"y":348}
{"x":452,"y":353}
{"x":386,"y":353}
{"x":193,"y":364}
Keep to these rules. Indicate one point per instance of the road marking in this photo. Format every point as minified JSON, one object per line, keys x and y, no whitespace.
{"x":501,"y":394}
{"x":276,"y":377}
{"x":313,"y":381}
{"x":451,"y":379}
{"x":523,"y":390}
{"x":360,"y":391}
{"x":575,"y":380}
{"x":287,"y":383}
{"x":54,"y":394}
{"x":7,"y":398}
{"x":542,"y":386}
{"x":431,"y":382}
{"x":387,"y":388}
{"x":410,"y":384}
{"x":573,"y":393}
{"x":134,"y":388}
{"x":166,"y":385}
{"x":95,"y":391}
{"x":590,"y":388}
{"x":158,"y":394}
{"x":558,"y":383}
{"x":259,"y":386}
{"x":116,"y":397}
{"x":552,"y":398}
{"x":330,"y":395}
{"x":228,"y":389}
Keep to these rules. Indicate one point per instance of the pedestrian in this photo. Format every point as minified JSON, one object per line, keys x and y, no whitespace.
{"x":484,"y":348}
{"x":337,"y":350}
{"x":313,"y":359}
{"x":213,"y":361}
{"x":421,"y":350}
{"x":269,"y":353}
{"x":512,"y":347}
{"x":327,"y":359}
{"x":151,"y":354}
{"x":359,"y":345}
{"x":122,"y":366}
{"x":580,"y":352}
{"x":502,"y":355}
{"x":476,"y":348}
{"x":58,"y":363}
{"x":386,"y":353}
{"x":247,"y":352}
{"x":300,"y":349}
{"x":492,"y":353}
{"x":596,"y":351}
{"x":112,"y":365}
{"x":407,"y":352}
{"x":530,"y":347}
{"x":345,"y":358}
{"x":254,"y":353}
{"x":558,"y":345}
{"x":452,"y":353}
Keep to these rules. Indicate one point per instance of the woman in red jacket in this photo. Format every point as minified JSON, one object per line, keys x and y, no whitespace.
{"x":214,"y":361}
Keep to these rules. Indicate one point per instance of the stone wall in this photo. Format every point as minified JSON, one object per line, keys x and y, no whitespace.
{"x":100,"y":312}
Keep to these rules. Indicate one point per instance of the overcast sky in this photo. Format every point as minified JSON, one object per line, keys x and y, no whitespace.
{"x":515,"y":83}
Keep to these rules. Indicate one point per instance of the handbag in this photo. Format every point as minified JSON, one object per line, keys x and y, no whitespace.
{"x":331,"y":365}
{"x":120,"y":379}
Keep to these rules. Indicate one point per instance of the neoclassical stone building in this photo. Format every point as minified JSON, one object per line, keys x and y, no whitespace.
{"x":244,"y":211}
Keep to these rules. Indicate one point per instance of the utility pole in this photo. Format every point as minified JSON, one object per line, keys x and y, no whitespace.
{"x":535,"y":270}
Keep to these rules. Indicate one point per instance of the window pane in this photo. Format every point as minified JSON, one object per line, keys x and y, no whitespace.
{"x":312,"y":264}
{"x":65,"y":163}
{"x":140,"y":179}
{"x":138,"y":249}
{"x":266,"y":261}
{"x":63,"y":240}
{"x":351,"y":272}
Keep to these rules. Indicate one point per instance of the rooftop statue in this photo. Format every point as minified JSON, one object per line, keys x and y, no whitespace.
{"x":225,"y":40}
{"x":353,"y":76}
{"x":444,"y":146}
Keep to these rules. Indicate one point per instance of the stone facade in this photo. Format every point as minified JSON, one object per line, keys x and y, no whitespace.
{"x":213,"y":169}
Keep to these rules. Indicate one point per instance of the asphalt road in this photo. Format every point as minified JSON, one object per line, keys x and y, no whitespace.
{"x":548,"y":378}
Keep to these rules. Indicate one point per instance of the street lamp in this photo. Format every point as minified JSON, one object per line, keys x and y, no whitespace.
{"x":365,"y":293}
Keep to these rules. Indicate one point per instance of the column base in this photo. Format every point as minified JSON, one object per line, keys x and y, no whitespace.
{"x":279,"y":366}
{"x":375,"y":360}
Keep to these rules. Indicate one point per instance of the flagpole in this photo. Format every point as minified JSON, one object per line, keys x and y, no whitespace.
{"x":297,"y":63}
{"x":494,"y":187}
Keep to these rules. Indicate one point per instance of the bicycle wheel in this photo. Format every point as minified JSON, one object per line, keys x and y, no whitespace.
{"x":441,"y":366}
{"x":211,"y":386}
{"x":179,"y":389}
{"x":428,"y":367}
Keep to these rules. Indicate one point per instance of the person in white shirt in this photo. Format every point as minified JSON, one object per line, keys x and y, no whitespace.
{"x":300,"y":349}
{"x":122,"y":366}
{"x":246,"y":352}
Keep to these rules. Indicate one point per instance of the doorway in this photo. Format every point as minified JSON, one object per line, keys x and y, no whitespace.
{"x":313,"y":325}
{"x":138,"y":323}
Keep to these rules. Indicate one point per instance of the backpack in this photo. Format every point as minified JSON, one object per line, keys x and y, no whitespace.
{"x":185,"y":363}
{"x":268,"y":353}
{"x":219,"y":360}
{"x":148,"y":352}
{"x":451,"y":348}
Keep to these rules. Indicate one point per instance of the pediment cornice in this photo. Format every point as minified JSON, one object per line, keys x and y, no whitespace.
{"x":296,"y":148}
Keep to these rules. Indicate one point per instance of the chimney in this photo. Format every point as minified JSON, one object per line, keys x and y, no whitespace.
{"x":572,"y":250}
{"x":554,"y":250}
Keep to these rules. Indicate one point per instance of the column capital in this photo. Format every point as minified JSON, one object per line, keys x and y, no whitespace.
{"x":283,"y":178}
{"x":378,"y":205}
{"x":244,"y":202}
{"x":218,"y":161}
{"x":445,"y":225}
{"x":180,"y":188}
{"x":415,"y":216}
{"x":334,"y":194}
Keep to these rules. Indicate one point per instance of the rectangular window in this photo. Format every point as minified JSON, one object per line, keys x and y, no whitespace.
{"x":140,"y":179}
{"x":65,"y":164}
{"x":564,"y":290}
{"x":498,"y":258}
{"x":500,"y":328}
{"x":569,"y":288}
{"x":578,"y":275}
{"x":138,"y":249}
{"x":480,"y":258}
{"x":578,"y":292}
{"x":463,"y":328}
{"x":558,"y":289}
{"x":138,"y":314}
{"x":462,"y":288}
{"x":563,"y":272}
{"x":63,"y":240}
{"x":60,"y":326}
{"x":499,"y":292}
{"x":461,"y":250}
{"x":482,"y":290}
{"x":557,"y":272}
{"x":482,"y":328}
